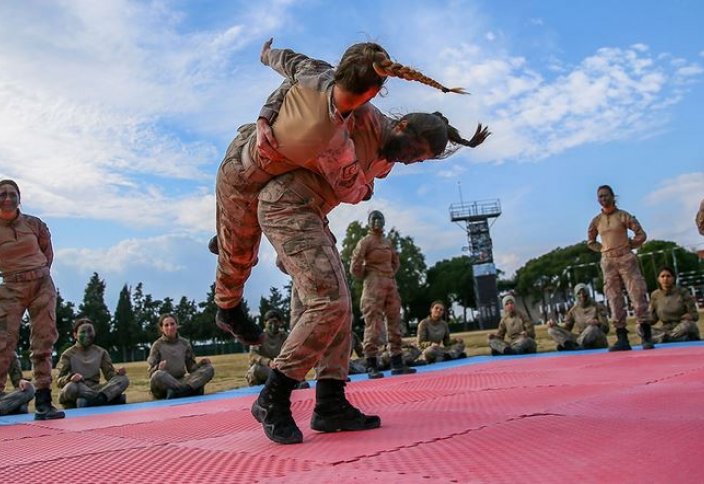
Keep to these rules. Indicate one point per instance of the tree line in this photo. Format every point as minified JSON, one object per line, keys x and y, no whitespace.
{"x":129,"y":331}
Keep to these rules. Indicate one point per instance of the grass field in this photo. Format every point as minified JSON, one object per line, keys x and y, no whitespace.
{"x":230,"y":369}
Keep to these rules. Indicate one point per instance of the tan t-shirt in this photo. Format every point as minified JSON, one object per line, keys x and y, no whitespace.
{"x":612,"y":229}
{"x":25,"y":244}
{"x":374,"y":254}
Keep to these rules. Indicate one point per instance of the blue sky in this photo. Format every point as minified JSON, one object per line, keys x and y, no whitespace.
{"x":114,"y":117}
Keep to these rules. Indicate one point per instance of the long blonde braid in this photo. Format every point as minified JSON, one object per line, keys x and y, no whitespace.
{"x":386,"y":67}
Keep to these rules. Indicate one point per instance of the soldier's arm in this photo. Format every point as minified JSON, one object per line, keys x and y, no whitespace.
{"x":154,"y":358}
{"x":446,"y":340}
{"x":603,"y":317}
{"x":357,"y":262}
{"x":592,"y":232}
{"x":273,"y":103}
{"x":191,"y":364}
{"x":395,"y":261}
{"x":690,"y":305}
{"x":15,"y":371}
{"x":290,"y":64}
{"x":528,"y":326}
{"x":257,"y":358}
{"x":64,"y":370}
{"x":422,"y":337}
{"x":569,"y":320}
{"x":501,"y":330}
{"x":106,"y":366}
{"x":639,"y":236}
{"x":653,"y":308}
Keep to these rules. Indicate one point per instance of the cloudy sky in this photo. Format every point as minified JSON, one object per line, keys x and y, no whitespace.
{"x":114,"y":116}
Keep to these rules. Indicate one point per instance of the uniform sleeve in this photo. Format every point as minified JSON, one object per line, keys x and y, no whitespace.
{"x":639,"y":236}
{"x":690,"y":305}
{"x":106,"y":366}
{"x":15,"y":371}
{"x":422,"y":337}
{"x":528,"y":326}
{"x":395,"y":261}
{"x":501,"y":330}
{"x":154,"y":358}
{"x":446,"y":342}
{"x":592,"y":232}
{"x":653,"y":307}
{"x":569,"y":319}
{"x":257,"y":358}
{"x":290,"y":64}
{"x":603,"y":317}
{"x":64,"y":370}
{"x":357,"y":263}
{"x":273,"y":103}
{"x":191,"y":364}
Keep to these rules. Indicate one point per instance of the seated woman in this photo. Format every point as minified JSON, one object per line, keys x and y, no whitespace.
{"x":587,"y":318}
{"x":675,"y":308}
{"x":434,"y":337}
{"x":173,"y":370}
{"x":518,"y":328}
{"x":79,"y":372}
{"x":16,"y":402}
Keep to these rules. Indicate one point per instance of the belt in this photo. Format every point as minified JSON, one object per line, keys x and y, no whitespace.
{"x":25,"y":276}
{"x":388,"y":275}
{"x":617,"y":252}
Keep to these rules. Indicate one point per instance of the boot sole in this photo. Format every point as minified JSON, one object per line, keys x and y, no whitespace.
{"x":47,"y":417}
{"x":403,"y":372}
{"x":328,"y":428}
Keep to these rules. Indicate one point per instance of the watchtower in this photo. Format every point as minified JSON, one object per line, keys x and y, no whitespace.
{"x":476,"y":216}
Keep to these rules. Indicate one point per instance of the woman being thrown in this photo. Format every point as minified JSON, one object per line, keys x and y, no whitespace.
{"x":312,"y":110}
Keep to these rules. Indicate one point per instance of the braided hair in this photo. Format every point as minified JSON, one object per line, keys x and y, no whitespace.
{"x":438,"y":132}
{"x":367,"y":64}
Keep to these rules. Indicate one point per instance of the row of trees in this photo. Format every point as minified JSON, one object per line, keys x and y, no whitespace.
{"x":132,"y":327}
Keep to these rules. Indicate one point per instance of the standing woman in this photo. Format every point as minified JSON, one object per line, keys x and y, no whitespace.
{"x":25,"y":261}
{"x":620,"y":266}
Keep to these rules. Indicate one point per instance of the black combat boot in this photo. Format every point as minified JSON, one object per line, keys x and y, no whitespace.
{"x":568,"y":346}
{"x":44,"y":410}
{"x":509,"y":351}
{"x":273,"y":409}
{"x":239,"y":325}
{"x":334,"y":413}
{"x":373,"y":368}
{"x":622,"y":343}
{"x":398,"y":367}
{"x":647,"y":336}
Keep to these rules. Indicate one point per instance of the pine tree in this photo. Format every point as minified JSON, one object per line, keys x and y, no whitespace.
{"x":65,"y":316}
{"x":94,"y":308}
{"x":125,"y":325}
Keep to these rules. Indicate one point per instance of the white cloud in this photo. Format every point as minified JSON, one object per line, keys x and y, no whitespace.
{"x":674,"y":205}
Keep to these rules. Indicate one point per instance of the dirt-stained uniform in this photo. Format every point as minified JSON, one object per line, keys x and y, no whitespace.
{"x":619,"y":264}
{"x":513,"y":325}
{"x":89,"y":362}
{"x":260,"y":356}
{"x":577,"y":328}
{"x":677,"y":310}
{"x":699,"y":219}
{"x":26,"y":255}
{"x":12,"y":402}
{"x":182,"y":374}
{"x":311,"y":133}
{"x":435,"y":342}
{"x":375,"y":260}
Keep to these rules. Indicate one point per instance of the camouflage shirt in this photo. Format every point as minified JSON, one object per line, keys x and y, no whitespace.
{"x":513,"y":325}
{"x":271,"y":347}
{"x":89,"y":362}
{"x":430,"y":331}
{"x":670,"y":307}
{"x":374,"y":254}
{"x":613,"y":230}
{"x":25,"y":244}
{"x":578,"y":317}
{"x":177,"y":353}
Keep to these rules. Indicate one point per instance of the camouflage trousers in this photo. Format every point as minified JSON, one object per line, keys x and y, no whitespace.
{"x":623,"y":271}
{"x":381,"y":304}
{"x":12,"y":401}
{"x":292,"y":217}
{"x":38,"y":297}
{"x":75,"y":390}
{"x":257,"y":374}
{"x":674,"y":333}
{"x":410,"y":354}
{"x":521,"y":345}
{"x":162,"y":381}
{"x":591,"y":338}
{"x":238,"y":232}
{"x":437,"y":352}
